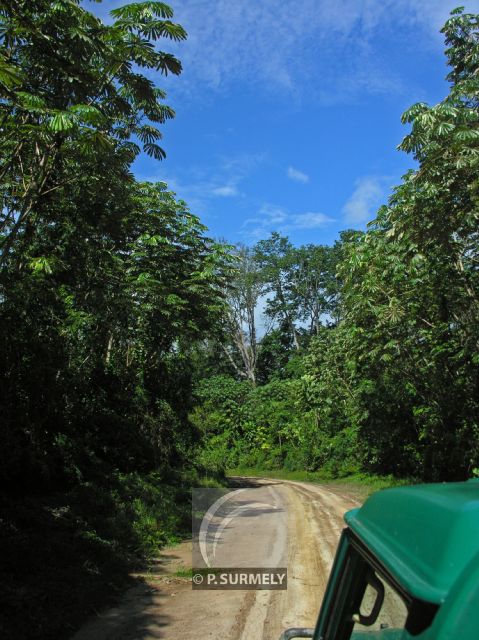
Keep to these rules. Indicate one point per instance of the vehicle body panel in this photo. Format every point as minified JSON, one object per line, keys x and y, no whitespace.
{"x":425,"y":535}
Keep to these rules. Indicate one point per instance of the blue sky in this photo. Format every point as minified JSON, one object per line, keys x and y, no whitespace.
{"x":288,"y":112}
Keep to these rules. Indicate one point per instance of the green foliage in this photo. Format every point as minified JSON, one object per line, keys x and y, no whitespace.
{"x":129,"y":346}
{"x":253,"y":426}
{"x":71,"y":87}
{"x":99,"y":332}
{"x":300,"y":290}
{"x":300,"y":282}
{"x":360,"y":485}
{"x":274,"y":354}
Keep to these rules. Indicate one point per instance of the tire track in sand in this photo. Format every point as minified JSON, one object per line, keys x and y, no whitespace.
{"x":314,"y":526}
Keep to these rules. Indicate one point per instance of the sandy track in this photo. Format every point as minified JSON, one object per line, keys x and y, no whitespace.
{"x":166,"y":607}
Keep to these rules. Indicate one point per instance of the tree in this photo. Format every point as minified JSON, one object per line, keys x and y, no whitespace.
{"x":106,"y":282}
{"x":313,"y":287}
{"x":405,"y":351}
{"x":106,"y":285}
{"x":274,"y":352}
{"x":240,"y":335}
{"x":69,"y":86}
{"x":275,"y":259}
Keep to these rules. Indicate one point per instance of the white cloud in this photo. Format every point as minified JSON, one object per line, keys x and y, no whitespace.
{"x":270,"y":218}
{"x":282,"y":45}
{"x":275,"y":218}
{"x":272,"y":214}
{"x":227,"y":191}
{"x":365,"y":200}
{"x":297,"y":175}
{"x":310,"y":221}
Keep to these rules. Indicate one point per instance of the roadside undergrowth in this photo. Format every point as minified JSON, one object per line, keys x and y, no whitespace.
{"x":69,"y":554}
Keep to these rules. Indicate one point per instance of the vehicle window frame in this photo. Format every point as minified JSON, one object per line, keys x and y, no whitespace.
{"x":347,"y":585}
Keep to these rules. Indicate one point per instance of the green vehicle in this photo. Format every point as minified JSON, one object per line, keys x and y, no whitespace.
{"x":407,"y":567}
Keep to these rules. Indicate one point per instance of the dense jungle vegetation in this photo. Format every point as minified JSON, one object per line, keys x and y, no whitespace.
{"x":134,"y":360}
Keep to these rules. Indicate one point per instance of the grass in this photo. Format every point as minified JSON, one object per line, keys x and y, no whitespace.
{"x":211,"y":483}
{"x":184,"y":572}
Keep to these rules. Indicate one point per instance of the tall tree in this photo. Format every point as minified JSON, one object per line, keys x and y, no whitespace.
{"x":313,"y":287}
{"x":240,"y":337}
{"x":105,"y":281}
{"x":69,"y":85}
{"x":276,"y":261}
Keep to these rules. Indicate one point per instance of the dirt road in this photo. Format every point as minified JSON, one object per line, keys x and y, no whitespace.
{"x":166,"y":607}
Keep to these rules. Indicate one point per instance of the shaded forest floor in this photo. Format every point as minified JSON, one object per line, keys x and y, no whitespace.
{"x":67,"y":554}
{"x":54,"y":571}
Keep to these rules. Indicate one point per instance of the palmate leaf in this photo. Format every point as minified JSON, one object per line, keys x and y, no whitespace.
{"x":410,"y":143}
{"x":101,"y":140}
{"x":159,"y":113}
{"x":444,"y":128}
{"x":131,"y":147}
{"x":61,"y":121}
{"x":30,"y":102}
{"x":90,"y":140}
{"x":88,"y":113}
{"x":467,"y":158}
{"x":139,"y":87}
{"x":154,"y":151}
{"x":447,"y":109}
{"x":64,"y":6}
{"x":142,"y":10}
{"x":160,"y":94}
{"x":169,"y":64}
{"x":416,"y":109}
{"x":148,"y":134}
{"x":466,"y":135}
{"x":426,"y":119}
{"x":141,"y":51}
{"x":163,"y":29}
{"x":10,"y":76}
{"x":155,"y":240}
